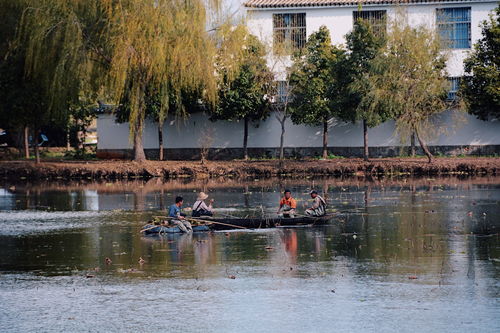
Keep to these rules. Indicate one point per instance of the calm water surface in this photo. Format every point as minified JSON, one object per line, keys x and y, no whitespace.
{"x":401,"y":256}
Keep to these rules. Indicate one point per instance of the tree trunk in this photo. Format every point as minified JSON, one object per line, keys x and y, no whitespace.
{"x":412,"y":142}
{"x":139,"y":155}
{"x":282,"y":141}
{"x":325,"y":139}
{"x":424,"y":146}
{"x":79,"y":141}
{"x":245,"y":140}
{"x":366,"y":153}
{"x":160,"y":141}
{"x":37,"y":148}
{"x":68,"y":137}
{"x":26,"y":142}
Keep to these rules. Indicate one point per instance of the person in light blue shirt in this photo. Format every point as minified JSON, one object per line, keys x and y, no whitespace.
{"x":178,"y":217}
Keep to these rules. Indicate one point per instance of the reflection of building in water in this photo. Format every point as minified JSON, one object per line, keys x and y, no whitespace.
{"x":91,"y":200}
{"x":7,"y":201}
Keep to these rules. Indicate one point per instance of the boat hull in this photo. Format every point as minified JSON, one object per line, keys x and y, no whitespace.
{"x":259,"y":223}
{"x":150,"y":229}
{"x":211,"y":223}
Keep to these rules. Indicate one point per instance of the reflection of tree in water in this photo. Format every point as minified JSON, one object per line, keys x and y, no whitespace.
{"x":399,"y":229}
{"x":246,"y":196}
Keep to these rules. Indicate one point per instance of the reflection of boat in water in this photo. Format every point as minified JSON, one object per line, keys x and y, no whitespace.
{"x":215,"y":223}
{"x":163,"y":229}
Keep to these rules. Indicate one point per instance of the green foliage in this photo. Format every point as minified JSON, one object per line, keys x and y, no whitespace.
{"x":21,"y":102}
{"x":409,"y":80}
{"x":363,"y":45}
{"x":480,"y":87}
{"x":241,"y":95}
{"x":316,"y":85}
{"x":118,"y":50}
{"x":179,"y":106}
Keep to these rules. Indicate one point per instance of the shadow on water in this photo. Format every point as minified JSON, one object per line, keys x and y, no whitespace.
{"x":396,"y":249}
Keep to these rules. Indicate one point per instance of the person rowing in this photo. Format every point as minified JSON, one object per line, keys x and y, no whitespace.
{"x":288,"y":205}
{"x":200,"y":208}
{"x":318,"y":207}
{"x":179,"y":217}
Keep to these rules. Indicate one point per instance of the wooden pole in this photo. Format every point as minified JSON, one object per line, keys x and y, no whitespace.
{"x":215,"y":222}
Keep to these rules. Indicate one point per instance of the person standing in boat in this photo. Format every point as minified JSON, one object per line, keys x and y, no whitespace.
{"x":288,"y":205}
{"x":178,"y":217}
{"x":318,"y":207}
{"x":200,"y":208}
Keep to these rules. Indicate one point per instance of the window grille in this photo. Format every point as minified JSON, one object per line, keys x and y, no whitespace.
{"x":454,"y":86}
{"x":289,"y":30}
{"x":454,"y":26}
{"x":376,"y":18}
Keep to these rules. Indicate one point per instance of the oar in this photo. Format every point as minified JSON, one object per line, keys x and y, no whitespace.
{"x":234,"y":217}
{"x":215,"y":222}
{"x":156,"y":226}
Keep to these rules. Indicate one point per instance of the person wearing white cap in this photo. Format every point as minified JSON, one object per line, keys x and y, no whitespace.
{"x":200,"y":208}
{"x":319,"y":205}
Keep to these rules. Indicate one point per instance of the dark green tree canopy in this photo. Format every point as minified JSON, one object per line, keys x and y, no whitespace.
{"x":241,"y":95}
{"x":363,"y":45}
{"x":480,"y":88}
{"x":316,"y":87}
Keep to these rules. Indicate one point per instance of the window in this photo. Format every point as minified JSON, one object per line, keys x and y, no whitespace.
{"x":454,"y":86}
{"x":454,"y":27}
{"x":289,"y":30}
{"x":376,"y":18}
{"x":282,"y":94}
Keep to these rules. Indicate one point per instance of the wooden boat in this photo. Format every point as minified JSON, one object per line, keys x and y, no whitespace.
{"x":149,"y":229}
{"x":258,"y":223}
{"x":216,"y":223}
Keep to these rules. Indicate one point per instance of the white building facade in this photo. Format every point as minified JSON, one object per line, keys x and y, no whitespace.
{"x":293,"y":20}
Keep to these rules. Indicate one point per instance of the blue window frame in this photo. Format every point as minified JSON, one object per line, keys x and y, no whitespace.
{"x":454,"y":86}
{"x":454,"y":27}
{"x":282,"y":92}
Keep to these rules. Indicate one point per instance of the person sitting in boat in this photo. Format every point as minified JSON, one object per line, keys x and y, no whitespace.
{"x":200,"y":208}
{"x":288,"y":205}
{"x":178,"y":218}
{"x":318,"y":207}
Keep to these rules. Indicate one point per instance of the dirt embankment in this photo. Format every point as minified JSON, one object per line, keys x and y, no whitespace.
{"x":247,"y":169}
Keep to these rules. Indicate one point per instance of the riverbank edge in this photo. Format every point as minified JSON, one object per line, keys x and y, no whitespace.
{"x":113,"y":169}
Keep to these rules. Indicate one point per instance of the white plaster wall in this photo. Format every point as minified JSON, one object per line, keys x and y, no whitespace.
{"x":186,"y":134}
{"x":339,"y":21}
{"x":462,"y":129}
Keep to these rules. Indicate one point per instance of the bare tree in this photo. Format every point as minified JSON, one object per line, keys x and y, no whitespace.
{"x":281,"y":91}
{"x":207,"y":137}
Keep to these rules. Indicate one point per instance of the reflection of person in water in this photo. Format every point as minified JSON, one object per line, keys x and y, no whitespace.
{"x":178,"y":244}
{"x":291,"y":244}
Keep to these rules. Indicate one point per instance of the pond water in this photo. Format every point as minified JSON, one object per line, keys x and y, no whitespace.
{"x":400,"y":256}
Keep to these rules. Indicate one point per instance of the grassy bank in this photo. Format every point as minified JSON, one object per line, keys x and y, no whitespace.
{"x":248,"y":169}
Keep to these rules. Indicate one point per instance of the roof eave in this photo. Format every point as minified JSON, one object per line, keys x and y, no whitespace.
{"x":357,"y":3}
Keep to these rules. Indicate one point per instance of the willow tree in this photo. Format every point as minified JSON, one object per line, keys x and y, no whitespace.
{"x":409,"y":81}
{"x":18,"y":98}
{"x":116,"y":48}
